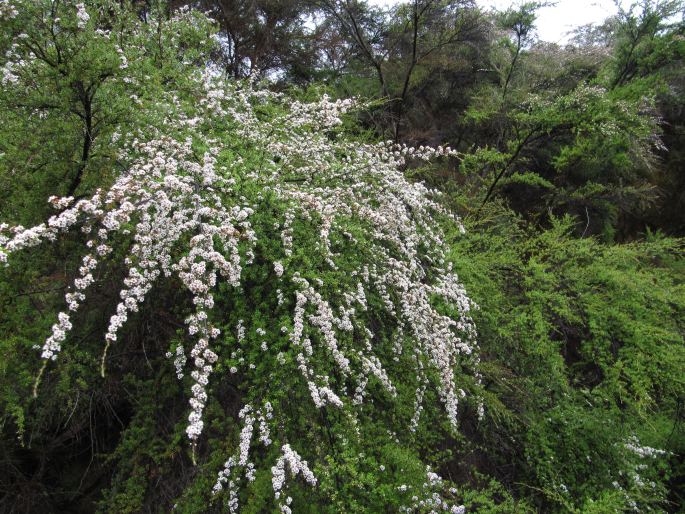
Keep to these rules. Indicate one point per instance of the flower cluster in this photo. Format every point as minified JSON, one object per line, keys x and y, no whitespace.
{"x":7,"y":9}
{"x":82,"y":16}
{"x":179,"y":361}
{"x":53,"y":343}
{"x":432,"y":496}
{"x":240,"y":460}
{"x":644,"y":452}
{"x":289,"y":460}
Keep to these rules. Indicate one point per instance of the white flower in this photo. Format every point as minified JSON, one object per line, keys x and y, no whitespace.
{"x":278,"y":268}
{"x":82,"y":15}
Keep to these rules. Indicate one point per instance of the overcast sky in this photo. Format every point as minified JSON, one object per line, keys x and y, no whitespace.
{"x":554,"y":23}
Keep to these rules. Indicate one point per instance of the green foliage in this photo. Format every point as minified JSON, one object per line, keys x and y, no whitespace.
{"x":585,"y":350}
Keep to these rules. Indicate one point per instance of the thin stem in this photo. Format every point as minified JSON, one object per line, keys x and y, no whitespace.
{"x":102,"y":362}
{"x":40,"y":375}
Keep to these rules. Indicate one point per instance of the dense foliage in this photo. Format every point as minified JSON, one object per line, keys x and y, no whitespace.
{"x":226,"y":287}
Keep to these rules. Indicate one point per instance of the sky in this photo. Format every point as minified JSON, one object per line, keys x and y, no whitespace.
{"x":554,"y":23}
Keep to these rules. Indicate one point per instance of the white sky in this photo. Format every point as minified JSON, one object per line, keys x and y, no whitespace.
{"x":554,"y":23}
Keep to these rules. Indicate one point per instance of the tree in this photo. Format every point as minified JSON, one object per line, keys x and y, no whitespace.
{"x":263,"y":38}
{"x":648,"y":48}
{"x":402,"y":48}
{"x":310,"y":274}
{"x":638,"y":48}
{"x":72,"y":85}
{"x":568,"y":135}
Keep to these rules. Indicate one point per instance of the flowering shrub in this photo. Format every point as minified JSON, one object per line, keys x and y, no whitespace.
{"x":310,"y":263}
